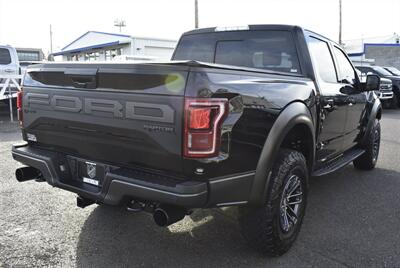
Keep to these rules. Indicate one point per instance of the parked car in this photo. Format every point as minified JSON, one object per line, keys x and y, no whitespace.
{"x":382,"y":73}
{"x":240,"y":117}
{"x":385,"y":92}
{"x":9,"y":65}
{"x":394,"y":71}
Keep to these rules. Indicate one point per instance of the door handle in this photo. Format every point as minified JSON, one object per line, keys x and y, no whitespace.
{"x":84,"y":82}
{"x":9,"y":70}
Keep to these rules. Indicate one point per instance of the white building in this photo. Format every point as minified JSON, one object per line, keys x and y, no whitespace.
{"x":100,"y":46}
{"x":383,"y":50}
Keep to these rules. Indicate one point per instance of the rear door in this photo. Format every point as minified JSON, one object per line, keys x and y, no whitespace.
{"x":333,"y":101}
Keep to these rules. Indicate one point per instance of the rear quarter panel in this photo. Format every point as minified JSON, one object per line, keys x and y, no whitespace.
{"x":255,"y":102}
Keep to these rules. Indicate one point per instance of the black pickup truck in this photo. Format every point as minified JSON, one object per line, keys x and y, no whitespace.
{"x":239,"y":117}
{"x":383,"y":73}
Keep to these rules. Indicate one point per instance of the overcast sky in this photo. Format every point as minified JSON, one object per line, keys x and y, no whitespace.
{"x":25,"y":23}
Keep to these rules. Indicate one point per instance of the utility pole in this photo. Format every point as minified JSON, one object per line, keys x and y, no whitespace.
{"x":340,"y":22}
{"x":196,"y":14}
{"x":51,"y":40}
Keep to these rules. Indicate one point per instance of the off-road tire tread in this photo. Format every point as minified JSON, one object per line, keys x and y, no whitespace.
{"x":365,"y":161}
{"x":257,"y":224}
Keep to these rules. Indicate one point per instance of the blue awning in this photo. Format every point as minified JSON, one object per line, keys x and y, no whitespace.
{"x":82,"y":49}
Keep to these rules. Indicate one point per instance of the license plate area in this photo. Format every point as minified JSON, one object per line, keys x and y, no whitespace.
{"x":91,"y":172}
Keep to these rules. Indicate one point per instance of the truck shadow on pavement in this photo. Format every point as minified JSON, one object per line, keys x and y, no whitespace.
{"x":342,"y":227}
{"x":115,"y":238}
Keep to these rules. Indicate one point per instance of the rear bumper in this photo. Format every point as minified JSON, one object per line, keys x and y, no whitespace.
{"x":121,"y":185}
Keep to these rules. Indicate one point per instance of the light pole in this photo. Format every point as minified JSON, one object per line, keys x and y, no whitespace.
{"x":119,"y":23}
{"x":196,"y":14}
{"x":340,"y":22}
{"x":51,"y":40}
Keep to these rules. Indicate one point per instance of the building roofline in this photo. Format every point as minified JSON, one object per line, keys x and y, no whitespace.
{"x":154,"y":38}
{"x":356,"y":54}
{"x":113,"y":34}
{"x":87,"y":48}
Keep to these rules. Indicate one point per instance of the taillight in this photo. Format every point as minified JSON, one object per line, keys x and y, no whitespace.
{"x":202,"y":126}
{"x":19,"y":106}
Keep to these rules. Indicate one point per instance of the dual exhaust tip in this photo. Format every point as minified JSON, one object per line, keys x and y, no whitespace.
{"x":27,"y":174}
{"x":163,"y":215}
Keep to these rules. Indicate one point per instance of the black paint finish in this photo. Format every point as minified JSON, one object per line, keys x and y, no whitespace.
{"x":131,"y":116}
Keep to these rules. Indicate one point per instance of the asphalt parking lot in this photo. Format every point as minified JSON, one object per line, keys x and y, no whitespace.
{"x":352,"y":220}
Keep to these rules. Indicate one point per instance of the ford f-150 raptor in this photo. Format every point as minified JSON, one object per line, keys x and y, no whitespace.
{"x":239,"y":117}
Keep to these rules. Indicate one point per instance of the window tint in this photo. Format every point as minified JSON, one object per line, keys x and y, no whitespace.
{"x":271,"y":50}
{"x":5,"y":57}
{"x":322,"y":59}
{"x":198,"y":47}
{"x":346,"y":71}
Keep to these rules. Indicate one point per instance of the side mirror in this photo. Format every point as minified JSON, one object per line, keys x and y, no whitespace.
{"x":349,"y":90}
{"x":372,"y":83}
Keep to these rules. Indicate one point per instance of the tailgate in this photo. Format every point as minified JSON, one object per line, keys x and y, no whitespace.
{"x":122,"y":114}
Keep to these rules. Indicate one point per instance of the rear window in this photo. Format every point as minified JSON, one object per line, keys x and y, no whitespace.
{"x":270,"y":50}
{"x":5,"y":57}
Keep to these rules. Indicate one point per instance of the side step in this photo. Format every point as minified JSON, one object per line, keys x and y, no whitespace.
{"x":339,"y":162}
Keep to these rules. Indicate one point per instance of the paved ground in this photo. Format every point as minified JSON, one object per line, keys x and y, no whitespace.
{"x":353,"y":220}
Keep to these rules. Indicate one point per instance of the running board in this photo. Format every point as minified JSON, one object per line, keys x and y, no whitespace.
{"x":338,"y":163}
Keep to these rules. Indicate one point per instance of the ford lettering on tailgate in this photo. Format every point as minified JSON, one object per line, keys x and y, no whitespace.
{"x":109,"y":108}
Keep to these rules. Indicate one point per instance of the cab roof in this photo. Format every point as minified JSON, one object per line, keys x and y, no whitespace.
{"x":241,"y":27}
{"x":255,"y":27}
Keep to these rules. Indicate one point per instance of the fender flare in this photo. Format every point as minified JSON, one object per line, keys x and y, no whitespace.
{"x":377,"y":106}
{"x":294,"y":114}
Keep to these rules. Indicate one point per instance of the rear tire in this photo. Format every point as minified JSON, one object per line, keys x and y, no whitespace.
{"x":272,"y":229}
{"x":367,"y":160}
